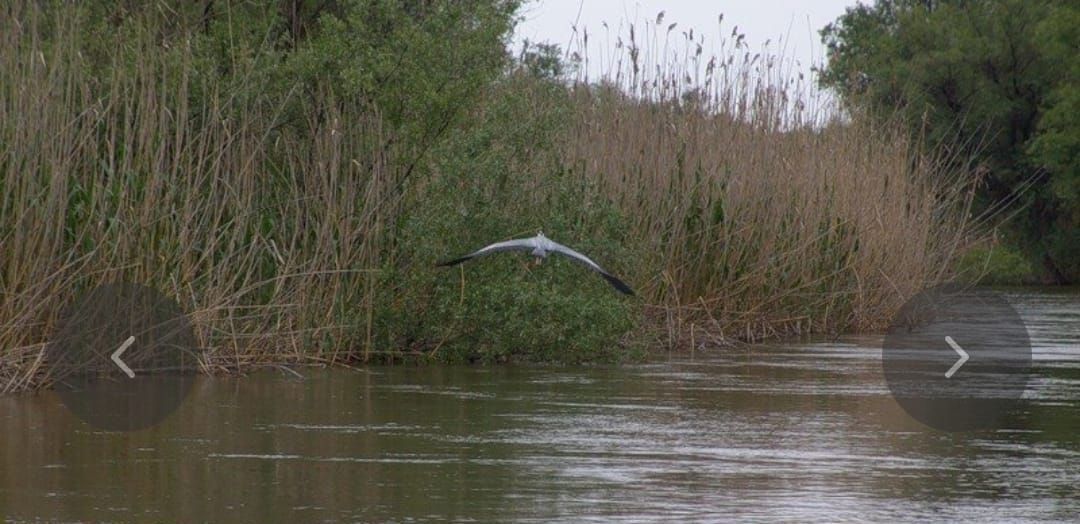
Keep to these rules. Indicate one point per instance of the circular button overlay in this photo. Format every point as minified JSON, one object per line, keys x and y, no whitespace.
{"x":957,"y":359}
{"x":124,"y":357}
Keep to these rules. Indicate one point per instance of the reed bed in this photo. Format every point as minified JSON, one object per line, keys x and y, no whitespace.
{"x":762,"y":209}
{"x":746,"y":210}
{"x":267,"y":238}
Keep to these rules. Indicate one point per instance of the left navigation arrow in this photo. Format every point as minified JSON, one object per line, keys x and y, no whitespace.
{"x":120,"y":363}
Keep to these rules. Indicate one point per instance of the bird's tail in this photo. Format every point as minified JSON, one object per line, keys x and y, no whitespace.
{"x":453,"y":262}
{"x":618,"y":284}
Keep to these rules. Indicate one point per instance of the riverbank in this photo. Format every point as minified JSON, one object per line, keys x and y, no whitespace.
{"x":293,"y":193}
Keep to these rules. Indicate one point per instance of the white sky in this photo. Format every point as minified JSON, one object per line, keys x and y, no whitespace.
{"x":791,"y":22}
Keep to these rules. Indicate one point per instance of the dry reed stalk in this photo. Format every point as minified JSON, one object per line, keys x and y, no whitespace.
{"x":268,"y":238}
{"x":760,"y":209}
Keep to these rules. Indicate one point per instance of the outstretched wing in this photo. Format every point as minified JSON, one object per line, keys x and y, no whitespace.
{"x":521,"y":244}
{"x":588,"y":262}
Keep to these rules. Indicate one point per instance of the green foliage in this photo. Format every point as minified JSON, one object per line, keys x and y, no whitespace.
{"x":501,"y":307}
{"x":542,"y":60}
{"x":1057,"y":146}
{"x":996,"y":264}
{"x":996,"y":79}
{"x":419,"y":63}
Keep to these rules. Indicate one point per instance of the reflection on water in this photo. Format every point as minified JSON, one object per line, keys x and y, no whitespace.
{"x":792,"y":432}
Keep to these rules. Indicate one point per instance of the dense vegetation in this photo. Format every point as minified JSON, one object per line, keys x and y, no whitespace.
{"x":290,"y":171}
{"x":997,"y":80}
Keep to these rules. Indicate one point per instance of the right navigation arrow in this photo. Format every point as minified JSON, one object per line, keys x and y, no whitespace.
{"x":959,"y":351}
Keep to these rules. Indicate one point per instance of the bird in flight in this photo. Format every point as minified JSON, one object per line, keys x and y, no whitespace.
{"x":539,"y":246}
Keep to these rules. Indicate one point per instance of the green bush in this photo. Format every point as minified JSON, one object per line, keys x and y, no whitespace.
{"x":496,"y":180}
{"x":996,"y":264}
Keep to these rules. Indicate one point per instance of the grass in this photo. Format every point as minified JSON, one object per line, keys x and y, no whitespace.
{"x":737,"y":211}
{"x":117,"y":178}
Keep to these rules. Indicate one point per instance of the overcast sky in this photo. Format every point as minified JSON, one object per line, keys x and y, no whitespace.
{"x":795,"y":22}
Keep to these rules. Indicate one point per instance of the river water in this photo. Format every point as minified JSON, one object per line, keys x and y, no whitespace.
{"x":794,"y":432}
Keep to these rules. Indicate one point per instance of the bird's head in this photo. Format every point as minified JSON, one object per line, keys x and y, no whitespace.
{"x":540,"y":234}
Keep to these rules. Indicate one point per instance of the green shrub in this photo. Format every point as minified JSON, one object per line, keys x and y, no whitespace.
{"x":497,"y":180}
{"x":995,"y":264}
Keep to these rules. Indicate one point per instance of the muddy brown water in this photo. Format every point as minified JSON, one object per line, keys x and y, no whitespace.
{"x":802,"y":431}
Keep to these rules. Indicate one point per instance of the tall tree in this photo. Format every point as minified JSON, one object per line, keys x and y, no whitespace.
{"x":990,"y":78}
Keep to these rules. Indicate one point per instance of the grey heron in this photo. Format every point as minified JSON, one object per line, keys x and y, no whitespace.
{"x":539,"y":246}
